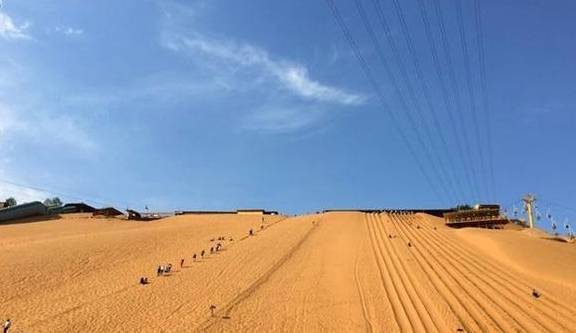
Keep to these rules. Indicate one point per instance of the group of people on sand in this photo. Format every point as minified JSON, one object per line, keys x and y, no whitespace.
{"x":162,"y":270}
{"x":167,"y":269}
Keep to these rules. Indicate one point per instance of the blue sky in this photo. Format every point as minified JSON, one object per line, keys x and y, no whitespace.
{"x":220,"y":104}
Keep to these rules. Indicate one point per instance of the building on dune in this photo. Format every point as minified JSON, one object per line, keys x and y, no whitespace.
{"x":203,"y":212}
{"x":107,"y":212}
{"x":255,"y":212}
{"x":482,"y":216}
{"x":138,"y":216}
{"x":69,"y":208}
{"x":31,"y":209}
{"x":433,"y":212}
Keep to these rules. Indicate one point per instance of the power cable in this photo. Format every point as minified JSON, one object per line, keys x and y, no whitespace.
{"x":457,"y":96}
{"x":470,"y":88}
{"x":395,"y":82}
{"x":413,"y":96}
{"x":484,"y":93}
{"x":448,"y":103}
{"x":376,"y":87}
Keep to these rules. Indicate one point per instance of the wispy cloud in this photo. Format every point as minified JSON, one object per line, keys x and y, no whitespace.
{"x":278,"y":94}
{"x":10,"y":30}
{"x":69,"y":31}
{"x":282,"y":119}
{"x":291,"y":76}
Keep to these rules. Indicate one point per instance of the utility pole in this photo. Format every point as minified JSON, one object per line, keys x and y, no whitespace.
{"x":529,"y":201}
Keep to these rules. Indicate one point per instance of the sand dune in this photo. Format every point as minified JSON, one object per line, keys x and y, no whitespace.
{"x":342,"y":272}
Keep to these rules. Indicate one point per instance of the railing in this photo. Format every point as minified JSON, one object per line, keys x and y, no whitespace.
{"x":476,"y":219}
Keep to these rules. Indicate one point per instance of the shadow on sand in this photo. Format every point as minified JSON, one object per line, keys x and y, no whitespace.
{"x":34,"y":219}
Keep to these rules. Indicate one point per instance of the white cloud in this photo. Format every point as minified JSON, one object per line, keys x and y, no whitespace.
{"x":291,"y":76}
{"x":21,"y":194}
{"x":69,"y":31}
{"x":10,"y":30}
{"x":43,"y":130}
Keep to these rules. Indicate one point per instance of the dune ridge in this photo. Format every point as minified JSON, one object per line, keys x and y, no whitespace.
{"x":338,"y":271}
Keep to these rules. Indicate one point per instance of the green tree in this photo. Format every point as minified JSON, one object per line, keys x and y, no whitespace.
{"x":10,"y":202}
{"x":53,"y":202}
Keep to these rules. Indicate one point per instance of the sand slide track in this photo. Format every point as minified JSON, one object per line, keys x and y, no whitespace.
{"x":443,"y":295}
{"x":487,"y":290}
{"x":406,"y":280}
{"x":501,"y":310}
{"x":482,"y":291}
{"x":225,"y":311}
{"x":400,"y":313}
{"x":495,"y":268}
{"x":472,"y":315}
{"x":365,"y":313}
{"x":226,"y":271}
{"x":521,"y":300}
{"x":474,"y":290}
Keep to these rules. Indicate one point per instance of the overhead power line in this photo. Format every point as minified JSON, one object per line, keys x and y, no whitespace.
{"x":424,"y":87}
{"x":407,"y":112}
{"x":444,"y":175}
{"x":457,"y":96}
{"x":447,"y":98}
{"x":470,"y":89}
{"x":381,"y":98}
{"x":484,"y":94}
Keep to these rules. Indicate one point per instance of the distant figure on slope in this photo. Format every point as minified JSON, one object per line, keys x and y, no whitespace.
{"x":202,"y":253}
{"x":7,"y":325}
{"x":409,"y":244}
{"x":251,"y":232}
{"x":143,"y":280}
{"x":159,"y":271}
{"x":212,"y":309}
{"x":194,"y":257}
{"x":211,"y":250}
{"x":181,"y":263}
{"x":535,"y":293}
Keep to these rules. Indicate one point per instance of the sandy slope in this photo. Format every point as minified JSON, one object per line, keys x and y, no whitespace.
{"x":341,"y":272}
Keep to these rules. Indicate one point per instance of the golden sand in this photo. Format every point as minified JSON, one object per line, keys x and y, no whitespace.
{"x":338,"y":272}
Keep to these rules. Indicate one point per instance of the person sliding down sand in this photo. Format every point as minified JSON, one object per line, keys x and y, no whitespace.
{"x":7,"y":325}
